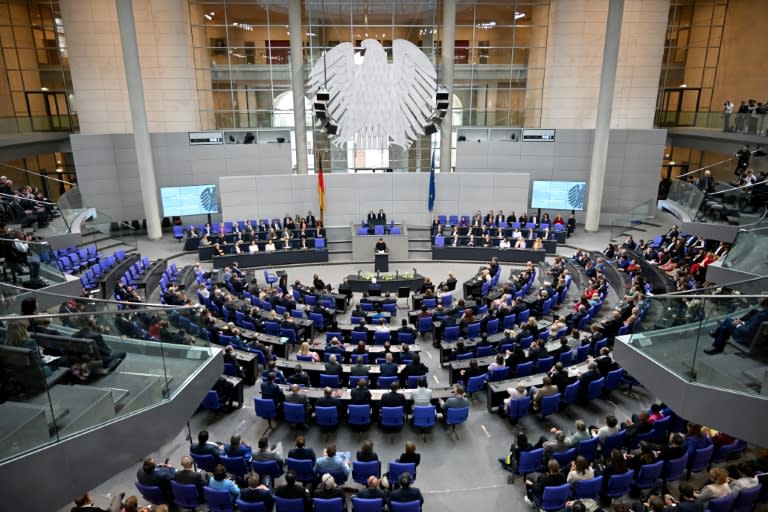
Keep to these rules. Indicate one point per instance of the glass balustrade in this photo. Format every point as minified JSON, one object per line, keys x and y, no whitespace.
{"x":675,"y":331}
{"x":65,"y":373}
{"x":633,"y":216}
{"x":28,"y":261}
{"x":739,"y":123}
{"x":98,"y":224}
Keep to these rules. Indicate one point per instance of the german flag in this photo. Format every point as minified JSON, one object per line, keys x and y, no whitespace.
{"x":321,"y":189}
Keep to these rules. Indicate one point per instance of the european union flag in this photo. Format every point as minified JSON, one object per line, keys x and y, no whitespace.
{"x":431,"y":199}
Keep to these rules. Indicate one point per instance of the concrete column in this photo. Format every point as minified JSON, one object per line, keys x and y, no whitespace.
{"x":604,"y":110}
{"x":448,"y":37}
{"x":297,"y":84}
{"x":139,"y":118}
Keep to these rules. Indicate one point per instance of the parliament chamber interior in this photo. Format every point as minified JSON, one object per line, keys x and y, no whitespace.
{"x":503,"y":253}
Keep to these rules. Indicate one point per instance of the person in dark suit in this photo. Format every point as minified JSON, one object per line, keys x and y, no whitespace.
{"x":393,"y":398}
{"x":371,"y":219}
{"x":188,"y":476}
{"x":406,"y":329}
{"x":372,"y":491}
{"x":366,"y":453}
{"x":553,"y":477}
{"x":742,"y":330}
{"x":360,"y":395}
{"x":406,"y":493}
{"x":381,"y":218}
{"x":271,"y":390}
{"x":159,"y":475}
{"x":359,"y":369}
{"x":416,"y":368}
{"x":388,"y":368}
{"x":333,"y":367}
{"x":589,"y":376}
{"x":604,"y":363}
{"x":381,"y":246}
{"x":328,"y":400}
{"x":257,"y":492}
{"x":311,"y":222}
{"x":291,"y":490}
{"x":299,"y":376}
{"x":109,"y":358}
{"x":327,"y":489}
{"x":205,"y":447}
{"x":301,"y":452}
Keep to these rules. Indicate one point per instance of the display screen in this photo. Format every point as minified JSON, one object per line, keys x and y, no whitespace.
{"x":192,"y":200}
{"x":558,"y":195}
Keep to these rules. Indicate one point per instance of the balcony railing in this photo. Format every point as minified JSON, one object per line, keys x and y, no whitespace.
{"x":677,"y":329}
{"x":751,"y":124}
{"x":57,"y":383}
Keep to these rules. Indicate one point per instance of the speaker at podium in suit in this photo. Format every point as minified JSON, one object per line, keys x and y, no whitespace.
{"x":381,"y":257}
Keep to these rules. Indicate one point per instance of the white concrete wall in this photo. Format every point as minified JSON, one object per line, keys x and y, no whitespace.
{"x":98,"y":75}
{"x":349,"y":197}
{"x":575,"y":43}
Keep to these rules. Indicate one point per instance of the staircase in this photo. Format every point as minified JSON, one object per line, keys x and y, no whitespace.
{"x":419,"y":243}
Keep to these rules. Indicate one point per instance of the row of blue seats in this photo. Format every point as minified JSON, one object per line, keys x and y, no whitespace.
{"x":646,"y":478}
{"x":359,"y":415}
{"x":379,"y":230}
{"x":73,"y":260}
{"x":91,"y":275}
{"x":465,"y":220}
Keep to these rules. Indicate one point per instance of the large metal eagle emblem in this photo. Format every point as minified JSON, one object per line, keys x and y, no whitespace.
{"x":375,"y":103}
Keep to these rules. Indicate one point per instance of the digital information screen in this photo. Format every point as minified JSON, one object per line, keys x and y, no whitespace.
{"x":191,"y":200}
{"x":558,"y":195}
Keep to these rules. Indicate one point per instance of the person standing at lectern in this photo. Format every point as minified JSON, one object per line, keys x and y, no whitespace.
{"x":381,"y":246}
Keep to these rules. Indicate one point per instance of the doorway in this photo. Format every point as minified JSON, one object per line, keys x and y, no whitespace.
{"x":679,"y":106}
{"x":48,"y":111}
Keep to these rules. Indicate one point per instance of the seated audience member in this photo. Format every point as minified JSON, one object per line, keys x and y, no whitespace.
{"x":292,"y":490}
{"x":361,"y":395}
{"x":301,"y":452}
{"x":687,"y":501}
{"x":717,"y":489}
{"x":388,"y":368}
{"x":392,"y":398}
{"x":457,"y":401}
{"x":219,"y":481}
{"x":581,"y":469}
{"x":366,"y":453}
{"x":406,"y":492}
{"x":159,"y":475}
{"x":372,"y":491}
{"x":299,"y":377}
{"x":333,"y":367}
{"x":535,"y":485}
{"x":547,"y":389}
{"x":327,"y":490}
{"x":331,"y":462}
{"x":410,"y":455}
{"x":742,"y":330}
{"x":747,"y":478}
{"x":517,"y":393}
{"x":328,"y":400}
{"x":205,"y":447}
{"x":554,"y":445}
{"x":257,"y":492}
{"x":85,"y":503}
{"x":238,"y":448}
{"x":422,"y":395}
{"x":188,"y":476}
{"x":581,"y":434}
{"x":295,"y":396}
{"x":271,"y":390}
{"x":697,"y":438}
{"x":611,"y":427}
{"x":265,"y":453}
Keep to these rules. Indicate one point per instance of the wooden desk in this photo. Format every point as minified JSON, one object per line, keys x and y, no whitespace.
{"x":315,"y":369}
{"x":344,"y":394}
{"x":496,"y":392}
{"x":249,"y":362}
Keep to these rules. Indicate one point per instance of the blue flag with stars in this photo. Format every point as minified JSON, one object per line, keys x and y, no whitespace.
{"x":431,"y":199}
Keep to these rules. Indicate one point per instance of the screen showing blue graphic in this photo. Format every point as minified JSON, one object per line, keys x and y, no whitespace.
{"x":192,"y":200}
{"x":558,"y":195}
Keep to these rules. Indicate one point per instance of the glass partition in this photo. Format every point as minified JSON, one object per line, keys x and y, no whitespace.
{"x":685,"y":196}
{"x":90,"y":362}
{"x":98,"y":226}
{"x":624,"y":222}
{"x":748,"y":253}
{"x":676,"y":330}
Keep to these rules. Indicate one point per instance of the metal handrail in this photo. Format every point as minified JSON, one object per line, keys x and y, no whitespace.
{"x":705,"y":167}
{"x":36,"y":174}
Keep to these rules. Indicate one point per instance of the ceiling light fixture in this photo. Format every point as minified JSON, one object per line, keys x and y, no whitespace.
{"x":486,"y":25}
{"x":519,"y":15}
